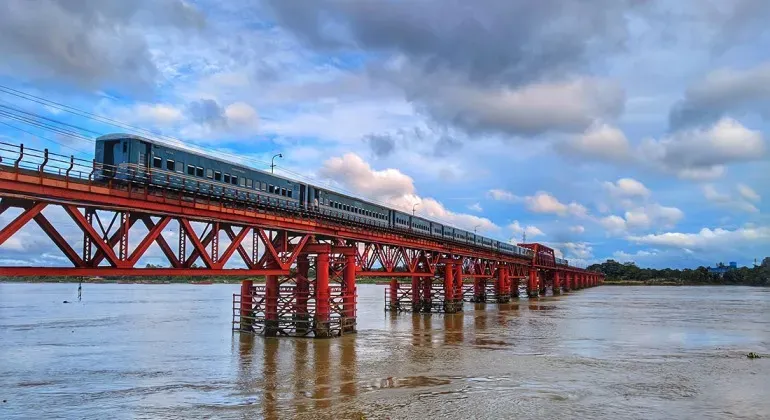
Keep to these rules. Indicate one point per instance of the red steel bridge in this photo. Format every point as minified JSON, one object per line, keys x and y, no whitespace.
{"x":309,"y":260}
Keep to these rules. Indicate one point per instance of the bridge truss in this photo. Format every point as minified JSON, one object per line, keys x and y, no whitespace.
{"x":309,"y":261}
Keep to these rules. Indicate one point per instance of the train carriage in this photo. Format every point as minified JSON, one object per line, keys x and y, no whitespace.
{"x":131,"y":158}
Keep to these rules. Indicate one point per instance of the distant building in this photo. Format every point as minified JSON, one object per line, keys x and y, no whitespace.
{"x":721,"y":268}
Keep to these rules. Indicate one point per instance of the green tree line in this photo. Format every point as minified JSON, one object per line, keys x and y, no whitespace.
{"x":630,"y":272}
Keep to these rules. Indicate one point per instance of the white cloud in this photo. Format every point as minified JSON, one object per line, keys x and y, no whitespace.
{"x":517,"y":229}
{"x":707,"y":238}
{"x":726,"y":200}
{"x":627,"y":187}
{"x":502,"y":195}
{"x":161,"y":114}
{"x":356,"y":174}
{"x":622,"y":256}
{"x":392,"y":187}
{"x":646,"y":216}
{"x":702,"y":153}
{"x":748,"y":193}
{"x":695,"y":154}
{"x":575,"y":251}
{"x":577,"y":229}
{"x":241,"y":114}
{"x":613,"y":224}
{"x":475,"y":207}
{"x":600,"y":141}
{"x":543,"y":202}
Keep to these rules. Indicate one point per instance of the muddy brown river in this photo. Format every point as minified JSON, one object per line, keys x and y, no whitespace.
{"x":167,"y":351}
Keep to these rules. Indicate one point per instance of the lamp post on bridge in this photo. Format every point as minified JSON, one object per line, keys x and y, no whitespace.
{"x":474,"y":229}
{"x":272,"y":162}
{"x":413,"y":207}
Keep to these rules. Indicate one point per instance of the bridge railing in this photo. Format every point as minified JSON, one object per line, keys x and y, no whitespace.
{"x":130,"y":176}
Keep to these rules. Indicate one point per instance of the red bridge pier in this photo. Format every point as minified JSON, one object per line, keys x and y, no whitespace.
{"x":298,"y":305}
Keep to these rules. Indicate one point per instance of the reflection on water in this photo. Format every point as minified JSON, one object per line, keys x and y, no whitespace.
{"x":154,"y":351}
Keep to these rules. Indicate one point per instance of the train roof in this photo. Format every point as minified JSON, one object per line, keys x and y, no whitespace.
{"x":117,"y":136}
{"x":186,"y":149}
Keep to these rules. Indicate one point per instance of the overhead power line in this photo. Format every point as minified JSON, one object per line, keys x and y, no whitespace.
{"x":29,"y":118}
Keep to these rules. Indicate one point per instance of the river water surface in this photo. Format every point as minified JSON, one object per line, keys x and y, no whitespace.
{"x":167,"y":351}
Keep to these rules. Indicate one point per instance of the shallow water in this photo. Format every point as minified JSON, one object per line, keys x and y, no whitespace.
{"x":166,"y":351}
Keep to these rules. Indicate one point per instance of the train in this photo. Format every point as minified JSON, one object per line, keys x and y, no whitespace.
{"x":133,"y":158}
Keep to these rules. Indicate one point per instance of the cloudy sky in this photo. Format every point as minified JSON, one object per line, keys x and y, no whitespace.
{"x":626,"y":129}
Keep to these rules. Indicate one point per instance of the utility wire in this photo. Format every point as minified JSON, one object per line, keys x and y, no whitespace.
{"x":173,"y":140}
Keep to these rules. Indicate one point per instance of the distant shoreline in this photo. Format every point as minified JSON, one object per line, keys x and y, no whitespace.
{"x":667,"y":283}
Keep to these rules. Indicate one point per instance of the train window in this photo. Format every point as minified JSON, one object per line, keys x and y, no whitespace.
{"x":263,"y":186}
{"x":234,"y":180}
{"x":217,"y":176}
{"x":289,"y":193}
{"x":227,"y":178}
{"x":271,"y":189}
{"x":198,"y":171}
{"x":125,"y":147}
{"x":157,"y":162}
{"x":169,"y":165}
{"x":283,"y":192}
{"x":209,"y":173}
{"x":180,"y":167}
{"x":249,"y":183}
{"x":242,"y":182}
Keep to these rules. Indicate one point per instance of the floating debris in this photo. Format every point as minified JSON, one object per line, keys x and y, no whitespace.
{"x":753,"y":355}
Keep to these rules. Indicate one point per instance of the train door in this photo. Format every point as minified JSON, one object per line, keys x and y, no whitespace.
{"x":302,"y":196}
{"x":143,"y":163}
{"x":309,"y":199}
{"x":108,"y":168}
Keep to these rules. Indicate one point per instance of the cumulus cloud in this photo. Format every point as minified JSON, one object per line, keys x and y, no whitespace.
{"x":627,"y":187}
{"x":707,"y":238}
{"x":577,"y":229}
{"x":727,"y":141}
{"x":475,"y":207}
{"x":600,"y":141}
{"x":694,"y":153}
{"x":96,"y":44}
{"x":393,"y":188}
{"x":653,"y":215}
{"x":576,"y":252}
{"x":518,"y":230}
{"x":541,"y":202}
{"x":647,"y":216}
{"x":157,"y":114}
{"x":622,"y":256}
{"x":613,"y":224}
{"x":721,"y":92}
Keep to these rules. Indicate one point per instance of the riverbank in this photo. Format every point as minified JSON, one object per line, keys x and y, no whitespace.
{"x":665,"y":283}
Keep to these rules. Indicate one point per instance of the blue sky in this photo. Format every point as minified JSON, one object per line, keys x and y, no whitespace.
{"x":633,"y":130}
